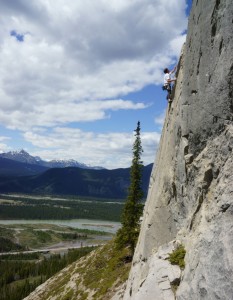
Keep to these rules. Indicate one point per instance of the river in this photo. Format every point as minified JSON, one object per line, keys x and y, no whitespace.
{"x":100,"y":225}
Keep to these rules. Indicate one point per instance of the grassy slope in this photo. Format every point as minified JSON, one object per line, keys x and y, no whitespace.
{"x":96,"y":276}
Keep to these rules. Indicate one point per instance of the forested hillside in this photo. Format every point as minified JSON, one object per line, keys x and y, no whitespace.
{"x":9,"y":167}
{"x":76,"y":181}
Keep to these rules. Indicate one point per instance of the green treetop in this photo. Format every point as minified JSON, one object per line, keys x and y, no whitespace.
{"x":127,"y":235}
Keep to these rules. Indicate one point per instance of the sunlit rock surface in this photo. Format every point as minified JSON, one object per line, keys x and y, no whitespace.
{"x":190,"y":197}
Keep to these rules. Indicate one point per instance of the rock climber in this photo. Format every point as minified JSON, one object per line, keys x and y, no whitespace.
{"x":168,"y":81}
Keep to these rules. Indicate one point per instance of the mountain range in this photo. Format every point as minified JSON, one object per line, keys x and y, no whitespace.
{"x":24,"y":157}
{"x":17,"y":175}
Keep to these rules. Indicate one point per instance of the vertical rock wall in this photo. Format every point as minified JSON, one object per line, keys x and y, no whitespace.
{"x":190,"y":198}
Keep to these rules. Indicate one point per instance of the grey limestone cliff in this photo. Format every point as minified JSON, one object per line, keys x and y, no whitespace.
{"x":190,"y":198}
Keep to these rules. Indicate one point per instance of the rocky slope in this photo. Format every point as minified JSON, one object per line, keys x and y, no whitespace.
{"x":96,"y":276}
{"x":190,"y":199}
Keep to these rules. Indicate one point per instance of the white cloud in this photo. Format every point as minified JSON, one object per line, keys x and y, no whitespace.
{"x":176,"y":44}
{"x":111,"y":150}
{"x":3,"y":146}
{"x":61,"y":113}
{"x":160,"y":118}
{"x":74,"y":51}
{"x":4,"y":138}
{"x":76,"y":62}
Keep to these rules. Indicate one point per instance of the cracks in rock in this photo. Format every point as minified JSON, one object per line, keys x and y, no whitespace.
{"x":174,"y":191}
{"x":186,"y":147}
{"x":197,"y":143}
{"x":179,"y":135}
{"x":194,"y":92}
{"x":144,"y":259}
{"x":213,"y":30}
{"x":190,"y":43}
{"x":220,"y":46}
{"x":141,"y":284}
{"x":220,"y":119}
{"x":216,"y":6}
{"x":207,"y":180}
{"x":224,"y":111}
{"x":231,"y":103}
{"x":216,"y":173}
{"x":179,"y":66}
{"x":188,"y":159}
{"x":225,"y":207}
{"x":210,"y":76}
{"x":230,"y":84}
{"x":182,"y":190}
{"x":208,"y":177}
{"x":186,"y":136}
{"x":199,"y":60}
{"x":215,"y":119}
{"x":214,"y":20}
{"x":200,"y":201}
{"x":176,"y":282}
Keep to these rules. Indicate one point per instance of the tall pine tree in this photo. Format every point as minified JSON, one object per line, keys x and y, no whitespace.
{"x":127,"y":235}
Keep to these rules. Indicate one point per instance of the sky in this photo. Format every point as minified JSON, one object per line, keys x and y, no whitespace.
{"x":77,"y":76}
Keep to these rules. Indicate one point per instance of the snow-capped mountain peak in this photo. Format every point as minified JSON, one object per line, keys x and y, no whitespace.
{"x":25,"y":157}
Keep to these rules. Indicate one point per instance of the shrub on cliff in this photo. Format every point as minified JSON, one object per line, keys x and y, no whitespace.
{"x":177,"y":257}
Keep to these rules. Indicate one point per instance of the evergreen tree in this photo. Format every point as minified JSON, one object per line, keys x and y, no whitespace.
{"x":127,"y":235}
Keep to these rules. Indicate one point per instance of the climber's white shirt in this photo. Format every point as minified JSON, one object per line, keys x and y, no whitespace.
{"x":166,"y":77}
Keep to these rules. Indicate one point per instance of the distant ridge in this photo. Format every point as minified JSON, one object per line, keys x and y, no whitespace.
{"x":9,"y":168}
{"x":103,"y":183}
{"x":24,"y":157}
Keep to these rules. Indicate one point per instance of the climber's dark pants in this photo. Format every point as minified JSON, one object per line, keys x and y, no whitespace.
{"x":168,"y":87}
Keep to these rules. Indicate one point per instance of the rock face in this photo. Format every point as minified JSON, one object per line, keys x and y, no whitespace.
{"x":190,"y":197}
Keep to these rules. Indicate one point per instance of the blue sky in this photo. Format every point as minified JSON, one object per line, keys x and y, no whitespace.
{"x":76,"y":76}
